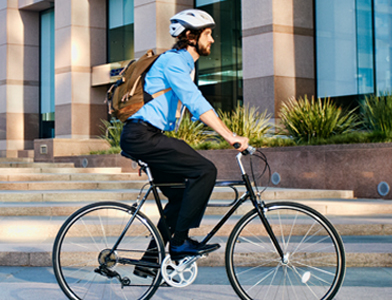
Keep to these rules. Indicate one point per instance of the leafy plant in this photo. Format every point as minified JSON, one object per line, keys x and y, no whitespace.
{"x":111,"y":131}
{"x":247,"y":121}
{"x":306,"y":121}
{"x":377,"y":113}
{"x":191,"y":132}
{"x":111,"y":150}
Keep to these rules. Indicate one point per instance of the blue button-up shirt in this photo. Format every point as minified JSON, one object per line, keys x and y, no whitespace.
{"x":171,"y":69}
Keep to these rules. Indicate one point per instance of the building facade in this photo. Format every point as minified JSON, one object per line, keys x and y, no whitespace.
{"x":58,"y":57}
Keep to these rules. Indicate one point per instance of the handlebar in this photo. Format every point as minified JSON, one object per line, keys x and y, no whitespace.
{"x":250,"y":150}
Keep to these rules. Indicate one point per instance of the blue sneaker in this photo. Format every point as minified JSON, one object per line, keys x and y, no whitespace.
{"x":191,"y":248}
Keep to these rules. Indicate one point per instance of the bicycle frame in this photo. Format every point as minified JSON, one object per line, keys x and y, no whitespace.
{"x":249,"y":194}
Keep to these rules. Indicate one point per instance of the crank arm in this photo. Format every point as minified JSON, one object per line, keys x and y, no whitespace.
{"x":137,"y":262}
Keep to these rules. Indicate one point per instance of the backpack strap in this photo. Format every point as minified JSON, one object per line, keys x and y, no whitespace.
{"x":160,"y":93}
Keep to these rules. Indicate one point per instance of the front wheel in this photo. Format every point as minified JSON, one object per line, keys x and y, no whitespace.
{"x":85,"y":265}
{"x":313,"y":265}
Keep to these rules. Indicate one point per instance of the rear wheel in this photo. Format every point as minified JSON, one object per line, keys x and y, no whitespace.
{"x":313,"y":266}
{"x":83,"y":263}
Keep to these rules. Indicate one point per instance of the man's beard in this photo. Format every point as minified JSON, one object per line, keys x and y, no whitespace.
{"x":204,"y":50}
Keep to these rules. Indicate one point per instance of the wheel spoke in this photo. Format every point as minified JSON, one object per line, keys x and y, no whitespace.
{"x":313,"y":264}
{"x":93,"y":231}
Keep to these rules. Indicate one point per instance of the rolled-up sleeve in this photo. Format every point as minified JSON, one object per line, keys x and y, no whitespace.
{"x":177,"y":73}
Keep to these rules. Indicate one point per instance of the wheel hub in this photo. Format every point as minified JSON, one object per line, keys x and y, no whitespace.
{"x":105,"y":258}
{"x":286,"y":260}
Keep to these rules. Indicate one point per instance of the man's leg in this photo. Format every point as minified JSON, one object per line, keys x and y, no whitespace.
{"x":171,"y":156}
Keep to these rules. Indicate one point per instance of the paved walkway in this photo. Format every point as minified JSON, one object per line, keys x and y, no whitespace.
{"x":24,"y":283}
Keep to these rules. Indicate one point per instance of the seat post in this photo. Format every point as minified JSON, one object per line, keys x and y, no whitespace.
{"x":143,"y":166}
{"x":146,"y":169}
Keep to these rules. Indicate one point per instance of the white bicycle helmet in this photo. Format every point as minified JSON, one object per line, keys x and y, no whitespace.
{"x":193,"y":19}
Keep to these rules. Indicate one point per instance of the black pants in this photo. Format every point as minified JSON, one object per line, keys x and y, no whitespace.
{"x":173,"y":161}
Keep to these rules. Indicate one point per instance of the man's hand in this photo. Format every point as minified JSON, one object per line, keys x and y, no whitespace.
{"x":242,"y":141}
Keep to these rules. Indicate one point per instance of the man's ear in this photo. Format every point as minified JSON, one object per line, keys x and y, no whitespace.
{"x":187,"y":33}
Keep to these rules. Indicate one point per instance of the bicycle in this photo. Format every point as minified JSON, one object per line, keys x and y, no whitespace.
{"x":278,"y":250}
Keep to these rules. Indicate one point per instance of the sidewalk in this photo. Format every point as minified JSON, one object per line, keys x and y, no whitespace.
{"x":24,"y":283}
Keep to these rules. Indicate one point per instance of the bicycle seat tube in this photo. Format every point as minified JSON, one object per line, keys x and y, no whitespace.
{"x":154,"y":190}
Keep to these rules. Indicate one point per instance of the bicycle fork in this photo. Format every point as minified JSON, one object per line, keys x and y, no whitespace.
{"x":259,"y":209}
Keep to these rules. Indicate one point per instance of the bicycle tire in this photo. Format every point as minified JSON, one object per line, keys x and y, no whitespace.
{"x":313,"y":249}
{"x":81,"y":246}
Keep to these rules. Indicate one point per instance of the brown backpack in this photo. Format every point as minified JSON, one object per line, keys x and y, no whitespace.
{"x":126,"y":96}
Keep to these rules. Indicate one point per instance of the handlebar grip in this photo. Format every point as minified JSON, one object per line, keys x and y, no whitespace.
{"x":237,"y":145}
{"x":250,"y":150}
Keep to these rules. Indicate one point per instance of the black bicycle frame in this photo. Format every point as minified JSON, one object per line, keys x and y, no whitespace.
{"x":234,"y":206}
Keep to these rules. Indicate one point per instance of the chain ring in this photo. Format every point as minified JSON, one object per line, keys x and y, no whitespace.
{"x":178,"y":274}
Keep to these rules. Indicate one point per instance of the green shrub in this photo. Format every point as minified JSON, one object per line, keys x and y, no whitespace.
{"x":306,"y":121}
{"x":246,"y":121}
{"x":191,"y":132}
{"x":111,"y":150}
{"x":377,"y":113}
{"x":213,"y":145}
{"x":111,"y":131}
{"x":274,"y":141}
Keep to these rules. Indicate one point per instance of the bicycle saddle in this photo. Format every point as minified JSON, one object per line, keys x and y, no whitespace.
{"x":128,"y":156}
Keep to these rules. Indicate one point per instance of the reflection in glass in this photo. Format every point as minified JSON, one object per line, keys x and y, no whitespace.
{"x":220,"y":73}
{"x":365,"y":55}
{"x":120,"y":30}
{"x":47,"y":85}
{"x":344,"y":42}
{"x":383,"y":41}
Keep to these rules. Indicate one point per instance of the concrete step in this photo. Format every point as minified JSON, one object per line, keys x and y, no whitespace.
{"x":63,"y":207}
{"x":68,"y":195}
{"x":56,"y":170}
{"x":28,"y":241}
{"x":26,"y":164}
{"x":372,"y":251}
{"x":16,"y":159}
{"x":32,"y":248}
{"x":21,"y":229}
{"x":82,"y":195}
{"x":71,"y":185}
{"x":71,"y":177}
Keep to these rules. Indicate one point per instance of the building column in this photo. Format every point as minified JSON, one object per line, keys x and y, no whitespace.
{"x":19,"y":84}
{"x":80,"y":31}
{"x":151,"y":28}
{"x":278,"y":51}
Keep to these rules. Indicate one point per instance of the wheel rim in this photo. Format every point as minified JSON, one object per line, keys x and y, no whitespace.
{"x":82,"y":246}
{"x":313,"y":264}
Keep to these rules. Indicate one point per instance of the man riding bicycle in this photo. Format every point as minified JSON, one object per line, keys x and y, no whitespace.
{"x":172,"y":160}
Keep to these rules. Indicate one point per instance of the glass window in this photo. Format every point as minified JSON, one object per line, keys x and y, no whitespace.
{"x":47,"y":104}
{"x":120,"y":30}
{"x":220,"y":73}
{"x":365,"y":52}
{"x":383,"y":41}
{"x":344,"y":43}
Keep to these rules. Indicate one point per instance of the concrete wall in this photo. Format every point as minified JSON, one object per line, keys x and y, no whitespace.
{"x":152,"y":20}
{"x":278,"y":51}
{"x":80,"y":30}
{"x":360,"y":168}
{"x":19,"y":83}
